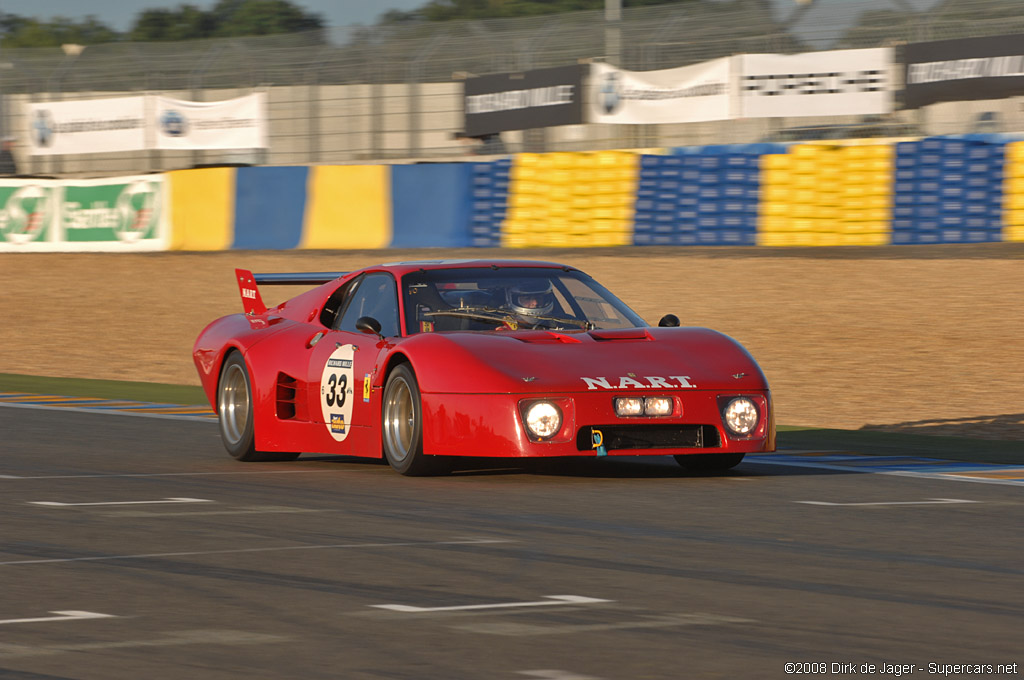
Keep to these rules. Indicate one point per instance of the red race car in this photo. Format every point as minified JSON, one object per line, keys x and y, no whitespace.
{"x":423,"y":361}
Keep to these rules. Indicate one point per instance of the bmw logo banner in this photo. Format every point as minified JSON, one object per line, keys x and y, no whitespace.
{"x":830,"y":83}
{"x":147,"y":122}
{"x":688,"y":94}
{"x":239,"y":123}
{"x":87,"y":126}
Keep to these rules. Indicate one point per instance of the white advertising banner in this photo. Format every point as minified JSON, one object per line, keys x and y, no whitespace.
{"x":87,"y":126}
{"x":115,"y":214}
{"x":833,"y":83}
{"x":688,"y":94}
{"x":231,"y":124}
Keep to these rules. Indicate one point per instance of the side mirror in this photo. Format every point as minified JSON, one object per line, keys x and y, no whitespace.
{"x":669,"y":321}
{"x":367,"y":324}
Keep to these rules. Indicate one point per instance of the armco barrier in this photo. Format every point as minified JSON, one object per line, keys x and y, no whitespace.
{"x":202,"y":208}
{"x":862,"y":192}
{"x":432,"y":205}
{"x":270,"y":204}
{"x":348,"y":207}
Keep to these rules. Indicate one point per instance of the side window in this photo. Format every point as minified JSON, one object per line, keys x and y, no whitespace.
{"x":376,"y":296}
{"x":332,"y":308}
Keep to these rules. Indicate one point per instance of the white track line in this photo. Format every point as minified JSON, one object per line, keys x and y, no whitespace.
{"x":62,"y":616}
{"x":198,"y":553}
{"x":894,"y":473}
{"x":130,"y":414}
{"x":59,"y":504}
{"x":187,"y":474}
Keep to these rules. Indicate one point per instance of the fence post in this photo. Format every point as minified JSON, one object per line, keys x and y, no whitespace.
{"x":195,"y":81}
{"x":416,"y":94}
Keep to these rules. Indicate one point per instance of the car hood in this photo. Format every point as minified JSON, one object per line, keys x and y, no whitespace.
{"x":545,"y":362}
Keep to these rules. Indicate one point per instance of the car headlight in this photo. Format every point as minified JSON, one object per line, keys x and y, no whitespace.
{"x":629,"y":406}
{"x":741,"y":416}
{"x":543,"y":419}
{"x":626,"y":407}
{"x":658,"y":406}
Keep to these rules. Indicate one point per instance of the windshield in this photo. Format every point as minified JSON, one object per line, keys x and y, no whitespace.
{"x":510,"y":298}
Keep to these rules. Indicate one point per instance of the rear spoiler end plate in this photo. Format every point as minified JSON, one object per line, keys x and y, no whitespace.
{"x":252,"y":301}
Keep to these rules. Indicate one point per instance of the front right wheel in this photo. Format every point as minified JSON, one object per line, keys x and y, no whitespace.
{"x":402,"y":426}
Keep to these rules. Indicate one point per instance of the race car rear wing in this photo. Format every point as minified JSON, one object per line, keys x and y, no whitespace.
{"x":301,"y":279}
{"x":252,"y":301}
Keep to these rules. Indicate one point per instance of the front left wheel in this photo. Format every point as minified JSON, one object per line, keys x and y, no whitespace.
{"x":402,"y":426}
{"x":235,"y":413}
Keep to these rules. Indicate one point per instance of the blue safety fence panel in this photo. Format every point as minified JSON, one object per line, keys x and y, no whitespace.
{"x":431,"y":205}
{"x":490,"y":181}
{"x":700,"y":196}
{"x":948,"y":190}
{"x":270,"y":204}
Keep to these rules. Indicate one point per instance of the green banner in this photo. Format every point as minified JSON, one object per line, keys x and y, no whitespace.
{"x":27,"y":213}
{"x":126,"y":212}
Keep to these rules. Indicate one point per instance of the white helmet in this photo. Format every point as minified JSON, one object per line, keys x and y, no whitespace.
{"x":531,"y":298}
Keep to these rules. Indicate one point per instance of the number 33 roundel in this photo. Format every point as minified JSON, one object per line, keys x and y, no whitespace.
{"x":336,"y":392}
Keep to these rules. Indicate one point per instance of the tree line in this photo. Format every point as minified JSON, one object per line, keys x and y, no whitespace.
{"x":227,"y":18}
{"x":450,"y":10}
{"x":233,"y":18}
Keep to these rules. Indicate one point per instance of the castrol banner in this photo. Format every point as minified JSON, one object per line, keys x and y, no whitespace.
{"x":115,"y":214}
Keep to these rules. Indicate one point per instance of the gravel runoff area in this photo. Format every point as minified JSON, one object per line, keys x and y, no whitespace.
{"x":908,"y":339}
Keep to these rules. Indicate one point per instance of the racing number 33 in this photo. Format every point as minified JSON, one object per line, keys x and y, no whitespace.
{"x":335,"y":385}
{"x":334,"y":391}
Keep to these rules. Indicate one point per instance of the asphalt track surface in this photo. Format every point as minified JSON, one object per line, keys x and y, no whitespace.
{"x":134,"y":547}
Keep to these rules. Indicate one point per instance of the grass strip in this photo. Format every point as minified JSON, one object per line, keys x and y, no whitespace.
{"x":186,"y":395}
{"x":901,"y":444}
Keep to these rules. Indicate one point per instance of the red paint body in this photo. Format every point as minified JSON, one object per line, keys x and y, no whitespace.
{"x":472,"y":382}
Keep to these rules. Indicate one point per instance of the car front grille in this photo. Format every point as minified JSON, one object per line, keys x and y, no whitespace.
{"x":622,"y":437}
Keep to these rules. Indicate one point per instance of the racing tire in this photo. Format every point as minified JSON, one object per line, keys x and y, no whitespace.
{"x":235,"y":413}
{"x":710,"y":462}
{"x":402,"y":427}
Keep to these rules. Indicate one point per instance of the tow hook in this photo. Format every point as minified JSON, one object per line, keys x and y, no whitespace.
{"x":597,"y":439}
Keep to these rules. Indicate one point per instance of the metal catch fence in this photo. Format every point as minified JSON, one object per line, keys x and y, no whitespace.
{"x":354,"y":94}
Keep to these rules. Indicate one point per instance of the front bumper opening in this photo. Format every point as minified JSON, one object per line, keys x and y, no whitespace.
{"x":624,"y":437}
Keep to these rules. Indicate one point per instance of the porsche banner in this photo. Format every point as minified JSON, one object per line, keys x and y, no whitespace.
{"x":689,"y":94}
{"x":232,"y":124}
{"x":87,"y":126}
{"x":963,"y":70}
{"x":833,"y":83}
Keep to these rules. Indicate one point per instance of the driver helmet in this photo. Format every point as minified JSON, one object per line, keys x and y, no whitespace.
{"x":531,"y":298}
